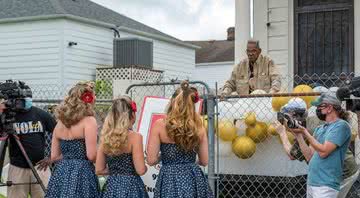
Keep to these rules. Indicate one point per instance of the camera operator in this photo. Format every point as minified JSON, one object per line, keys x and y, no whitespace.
{"x":350,"y":169}
{"x":30,"y":125}
{"x":327,"y":149}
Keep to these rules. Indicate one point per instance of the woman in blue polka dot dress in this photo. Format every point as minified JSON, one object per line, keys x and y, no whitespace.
{"x":180,"y":137}
{"x":120,"y":154}
{"x":74,"y":146}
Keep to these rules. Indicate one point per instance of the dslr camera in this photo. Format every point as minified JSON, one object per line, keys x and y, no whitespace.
{"x":14,"y":94}
{"x":294,"y":119}
{"x":351,"y":89}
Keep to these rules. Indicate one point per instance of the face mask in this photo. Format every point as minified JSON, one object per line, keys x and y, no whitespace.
{"x":28,"y":103}
{"x":320,"y":115}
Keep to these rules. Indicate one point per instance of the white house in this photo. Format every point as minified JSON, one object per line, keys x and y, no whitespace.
{"x":214,"y":60}
{"x":303,"y":36}
{"x":57,"y":42}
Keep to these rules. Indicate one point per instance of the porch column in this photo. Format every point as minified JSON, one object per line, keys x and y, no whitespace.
{"x":242,"y":27}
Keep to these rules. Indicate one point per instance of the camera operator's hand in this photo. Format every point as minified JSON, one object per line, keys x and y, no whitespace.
{"x":300,"y":130}
{"x":44,"y":164}
{"x":280,"y":129}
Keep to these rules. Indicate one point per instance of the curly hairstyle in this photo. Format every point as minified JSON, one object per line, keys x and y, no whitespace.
{"x":183,"y":122}
{"x":116,"y":126}
{"x":73,"y":109}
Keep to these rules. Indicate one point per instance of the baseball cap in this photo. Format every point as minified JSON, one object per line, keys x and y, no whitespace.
{"x":328,"y":98}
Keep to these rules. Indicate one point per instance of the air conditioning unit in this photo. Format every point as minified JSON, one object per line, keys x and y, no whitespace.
{"x":133,"y":51}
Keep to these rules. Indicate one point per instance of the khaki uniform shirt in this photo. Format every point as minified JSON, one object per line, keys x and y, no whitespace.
{"x":266,"y":77}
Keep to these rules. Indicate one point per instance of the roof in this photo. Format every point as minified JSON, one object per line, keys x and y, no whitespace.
{"x":214,"y":51}
{"x":87,"y":9}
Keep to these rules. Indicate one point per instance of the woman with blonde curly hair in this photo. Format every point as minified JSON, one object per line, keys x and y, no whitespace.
{"x":74,"y":146}
{"x":180,"y":137}
{"x":120,"y":154}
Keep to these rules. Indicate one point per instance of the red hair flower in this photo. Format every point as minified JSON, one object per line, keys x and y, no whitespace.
{"x":196,"y":97}
{"x":133,"y":106}
{"x":87,"y":97}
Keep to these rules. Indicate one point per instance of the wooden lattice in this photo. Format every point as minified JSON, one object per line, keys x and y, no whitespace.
{"x":128,"y":73}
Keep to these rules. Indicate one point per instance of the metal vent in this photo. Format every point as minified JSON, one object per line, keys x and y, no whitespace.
{"x":134,"y":51}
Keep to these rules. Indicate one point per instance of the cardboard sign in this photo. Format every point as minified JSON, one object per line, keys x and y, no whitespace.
{"x":153,"y":109}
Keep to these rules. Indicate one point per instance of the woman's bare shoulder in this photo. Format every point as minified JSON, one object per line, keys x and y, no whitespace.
{"x":160,"y":123}
{"x":88,"y":119}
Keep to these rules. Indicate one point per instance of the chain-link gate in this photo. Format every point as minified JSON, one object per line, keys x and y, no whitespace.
{"x":268,"y":170}
{"x":251,"y":158}
{"x":138,"y":92}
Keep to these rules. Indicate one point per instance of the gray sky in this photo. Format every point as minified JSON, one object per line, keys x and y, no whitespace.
{"x":183,"y":19}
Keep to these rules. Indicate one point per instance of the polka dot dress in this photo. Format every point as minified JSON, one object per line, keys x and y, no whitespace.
{"x":180,"y":176}
{"x":123,"y":181}
{"x":74,"y":176}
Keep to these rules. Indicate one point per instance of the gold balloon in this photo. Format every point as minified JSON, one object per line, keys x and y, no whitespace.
{"x":243,"y":147}
{"x":227,"y":130}
{"x":257,"y":133}
{"x":204,"y":119}
{"x":278,"y":102}
{"x":305,"y":89}
{"x":272,"y":130}
{"x":250,"y":119}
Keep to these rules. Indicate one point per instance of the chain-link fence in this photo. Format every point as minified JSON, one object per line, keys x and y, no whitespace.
{"x":246,"y":156}
{"x":253,"y":160}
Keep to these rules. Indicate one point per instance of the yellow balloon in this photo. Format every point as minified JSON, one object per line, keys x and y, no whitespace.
{"x":272,"y":130}
{"x":278,"y":102}
{"x":257,"y":133}
{"x":250,"y":119}
{"x":227,"y":130}
{"x":205,"y":122}
{"x":243,"y":147}
{"x":305,"y":89}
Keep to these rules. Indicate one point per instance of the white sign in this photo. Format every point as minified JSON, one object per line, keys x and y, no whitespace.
{"x":153,"y":109}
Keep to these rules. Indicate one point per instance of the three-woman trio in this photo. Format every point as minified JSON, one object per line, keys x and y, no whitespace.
{"x":179,"y":140}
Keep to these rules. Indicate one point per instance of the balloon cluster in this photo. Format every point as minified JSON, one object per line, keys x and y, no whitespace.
{"x":243,"y":145}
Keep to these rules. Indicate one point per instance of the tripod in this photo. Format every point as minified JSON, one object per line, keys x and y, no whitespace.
{"x":3,"y":145}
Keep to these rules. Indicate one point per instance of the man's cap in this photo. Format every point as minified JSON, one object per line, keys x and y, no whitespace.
{"x":328,"y":98}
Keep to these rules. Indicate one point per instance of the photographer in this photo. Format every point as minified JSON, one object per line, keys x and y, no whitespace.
{"x":350,"y":169}
{"x":327,"y":149}
{"x":30,"y":125}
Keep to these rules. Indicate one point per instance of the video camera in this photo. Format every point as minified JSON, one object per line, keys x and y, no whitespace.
{"x":345,"y":93}
{"x":14,"y":94}
{"x":292,"y":120}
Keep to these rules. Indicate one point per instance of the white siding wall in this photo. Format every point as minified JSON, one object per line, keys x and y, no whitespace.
{"x":211,"y":73}
{"x":276,"y":40}
{"x":95,"y":47}
{"x":37,"y":52}
{"x":30,"y":51}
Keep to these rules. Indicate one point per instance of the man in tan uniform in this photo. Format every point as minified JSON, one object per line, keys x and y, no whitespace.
{"x":255,"y":72}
